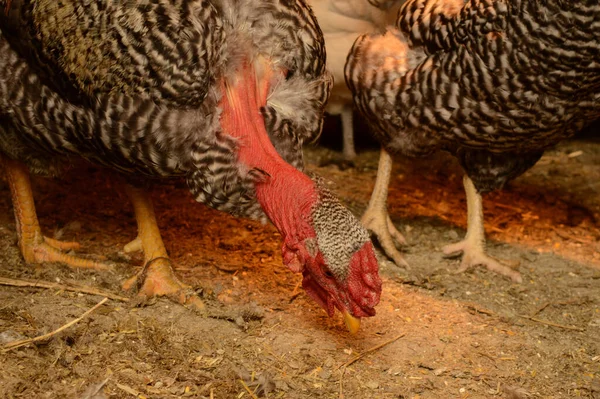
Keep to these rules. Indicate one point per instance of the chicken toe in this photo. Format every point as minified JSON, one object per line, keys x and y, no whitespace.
{"x":473,"y":245}
{"x":50,"y":250}
{"x":473,"y":254}
{"x":157,"y":278}
{"x":378,"y":221}
{"x":134,"y":245}
{"x":35,"y":247}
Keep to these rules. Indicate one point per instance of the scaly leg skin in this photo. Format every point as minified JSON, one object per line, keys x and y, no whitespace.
{"x":473,"y":245}
{"x":157,"y":277}
{"x":35,"y":247}
{"x":348,"y":134}
{"x":376,"y":217}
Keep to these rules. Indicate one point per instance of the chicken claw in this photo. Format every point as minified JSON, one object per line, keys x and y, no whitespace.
{"x":473,"y":245}
{"x":134,"y":245}
{"x":474,"y":255}
{"x":157,"y":277}
{"x":35,"y":247}
{"x":50,"y":250}
{"x":379,"y":222}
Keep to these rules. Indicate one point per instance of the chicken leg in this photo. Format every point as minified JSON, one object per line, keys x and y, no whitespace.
{"x":348,"y":133}
{"x":473,"y":245}
{"x":34,"y":246}
{"x":376,"y":217}
{"x":157,"y":277}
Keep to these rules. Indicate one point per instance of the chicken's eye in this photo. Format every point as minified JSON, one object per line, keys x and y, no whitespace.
{"x":327,"y":273}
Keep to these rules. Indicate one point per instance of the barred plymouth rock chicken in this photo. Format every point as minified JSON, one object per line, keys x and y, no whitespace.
{"x":342,"y":21}
{"x":493,"y":82}
{"x":223,"y":92}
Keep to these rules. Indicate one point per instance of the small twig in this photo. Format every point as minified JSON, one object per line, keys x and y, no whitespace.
{"x":576,"y":301}
{"x":538,"y":310}
{"x":486,"y":355}
{"x":248,"y":389}
{"x":504,"y":206}
{"x":358,"y":357}
{"x":570,"y":237}
{"x":371,"y":350}
{"x":549,"y":323}
{"x":480,"y":310}
{"x":295,"y":292}
{"x":294,"y":297}
{"x":17,"y":344}
{"x":131,"y":391}
{"x":496,"y":229}
{"x":342,"y":383}
{"x":50,"y":285}
{"x":575,"y":154}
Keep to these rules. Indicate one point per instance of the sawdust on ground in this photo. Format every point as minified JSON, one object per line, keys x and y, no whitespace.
{"x":471,"y":335}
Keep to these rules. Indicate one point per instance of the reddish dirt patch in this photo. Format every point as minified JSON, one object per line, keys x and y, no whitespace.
{"x":465,"y":336}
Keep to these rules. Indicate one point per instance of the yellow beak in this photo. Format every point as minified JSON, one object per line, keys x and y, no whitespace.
{"x":352,"y":323}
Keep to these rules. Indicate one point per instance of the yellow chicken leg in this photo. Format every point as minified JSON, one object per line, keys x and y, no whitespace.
{"x":377,"y":219}
{"x":157,"y":277}
{"x":473,"y":245}
{"x":35,"y":247}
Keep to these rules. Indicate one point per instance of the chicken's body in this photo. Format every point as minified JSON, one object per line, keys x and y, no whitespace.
{"x":493,"y":82}
{"x":221,"y":92}
{"x":342,"y":21}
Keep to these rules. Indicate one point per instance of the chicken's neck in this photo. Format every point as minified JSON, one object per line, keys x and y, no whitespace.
{"x":286,"y":195}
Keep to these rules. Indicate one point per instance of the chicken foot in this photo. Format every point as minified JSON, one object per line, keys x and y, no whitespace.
{"x":34,"y":246}
{"x":157,"y":277}
{"x":473,"y":245}
{"x":377,"y":219}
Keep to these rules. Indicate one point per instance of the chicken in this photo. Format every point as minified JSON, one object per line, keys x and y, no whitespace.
{"x":342,"y":21}
{"x":222,"y":92}
{"x":494,"y":83}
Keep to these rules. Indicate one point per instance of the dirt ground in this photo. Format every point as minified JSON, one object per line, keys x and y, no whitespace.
{"x":470,"y":335}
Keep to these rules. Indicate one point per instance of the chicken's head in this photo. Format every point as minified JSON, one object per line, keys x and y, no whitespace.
{"x":336,"y":257}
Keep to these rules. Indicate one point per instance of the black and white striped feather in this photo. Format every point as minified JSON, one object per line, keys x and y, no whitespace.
{"x":494,"y":82}
{"x":135,"y":85}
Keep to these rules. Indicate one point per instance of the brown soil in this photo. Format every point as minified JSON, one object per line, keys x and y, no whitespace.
{"x":470,"y":335}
